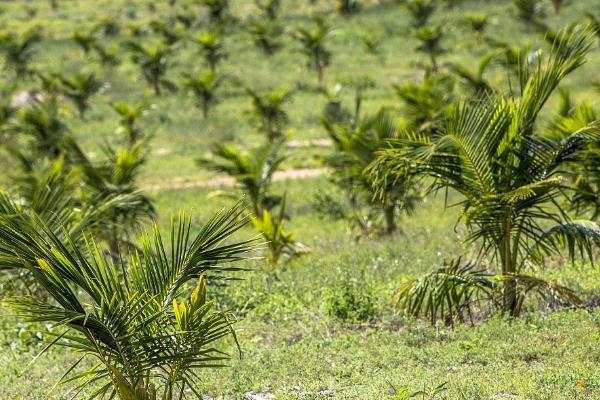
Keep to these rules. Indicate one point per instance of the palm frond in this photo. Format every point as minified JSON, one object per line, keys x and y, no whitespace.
{"x":447,"y":293}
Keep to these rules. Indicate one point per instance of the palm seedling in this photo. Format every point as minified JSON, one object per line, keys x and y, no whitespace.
{"x":47,"y":188}
{"x":204,"y":87}
{"x":217,"y":9}
{"x":475,"y":80}
{"x":154,"y":63}
{"x":348,"y":7}
{"x":18,"y":50}
{"x":130,"y":115}
{"x":372,"y":43}
{"x":279,"y":242}
{"x":266,"y":35}
{"x":116,"y":176}
{"x":166,"y":31}
{"x":85,"y":40}
{"x":108,"y":26}
{"x":108,"y":57}
{"x":512,"y":57}
{"x":334,"y":111}
{"x":42,"y":125}
{"x":51,"y":191}
{"x":135,"y":30}
{"x":268,"y":109}
{"x":211,"y":45}
{"x":88,"y":42}
{"x":425,"y":103}
{"x":356,"y":147}
{"x":79,"y":88}
{"x":420,"y":11}
{"x":50,"y":86}
{"x":510,"y":178}
{"x":313,"y":46}
{"x":360,"y":84}
{"x":477,"y":22}
{"x":430,"y":38}
{"x":145,"y":319}
{"x":252,"y":171}
{"x":270,"y":8}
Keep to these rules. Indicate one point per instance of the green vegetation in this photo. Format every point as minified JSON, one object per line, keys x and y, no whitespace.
{"x":392,"y":199}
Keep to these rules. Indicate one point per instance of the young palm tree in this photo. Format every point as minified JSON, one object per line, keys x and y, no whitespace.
{"x":47,"y":188}
{"x":430,"y":38}
{"x":18,"y":50}
{"x":79,"y":88}
{"x":253,"y":171}
{"x":279,"y":242}
{"x":313,"y":46}
{"x":128,"y":315}
{"x":41,"y":124}
{"x":425,"y":103}
{"x":356,"y":147}
{"x":510,"y":176}
{"x":204,"y":87}
{"x":85,"y":39}
{"x":211,"y":45}
{"x":477,"y":22}
{"x":360,"y":84}
{"x":166,"y":30}
{"x":130,"y":116}
{"x":154,"y":64}
{"x":372,"y":43}
{"x":270,"y":8}
{"x":112,"y":177}
{"x":266,"y":35}
{"x":512,"y":57}
{"x":51,"y":191}
{"x":108,"y":57}
{"x":475,"y":80}
{"x":268,"y":110}
{"x":421,"y":11}
{"x":108,"y":25}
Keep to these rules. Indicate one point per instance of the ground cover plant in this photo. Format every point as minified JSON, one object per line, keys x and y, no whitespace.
{"x":389,"y":199}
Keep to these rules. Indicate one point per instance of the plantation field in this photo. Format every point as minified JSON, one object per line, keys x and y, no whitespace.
{"x":322,"y":325}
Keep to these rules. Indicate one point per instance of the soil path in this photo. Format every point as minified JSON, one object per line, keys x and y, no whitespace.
{"x":302,"y":173}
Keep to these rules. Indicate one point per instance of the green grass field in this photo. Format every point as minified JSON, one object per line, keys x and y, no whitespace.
{"x":292,"y":345}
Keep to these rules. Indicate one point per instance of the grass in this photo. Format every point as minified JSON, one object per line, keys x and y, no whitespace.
{"x":292,"y":346}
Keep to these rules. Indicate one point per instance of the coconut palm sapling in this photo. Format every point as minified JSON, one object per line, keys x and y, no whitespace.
{"x":252,"y":170}
{"x":313,"y":42}
{"x":268,"y":109}
{"x":510,"y":176}
{"x":145,"y":318}
{"x":204,"y":87}
{"x":356,"y":147}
